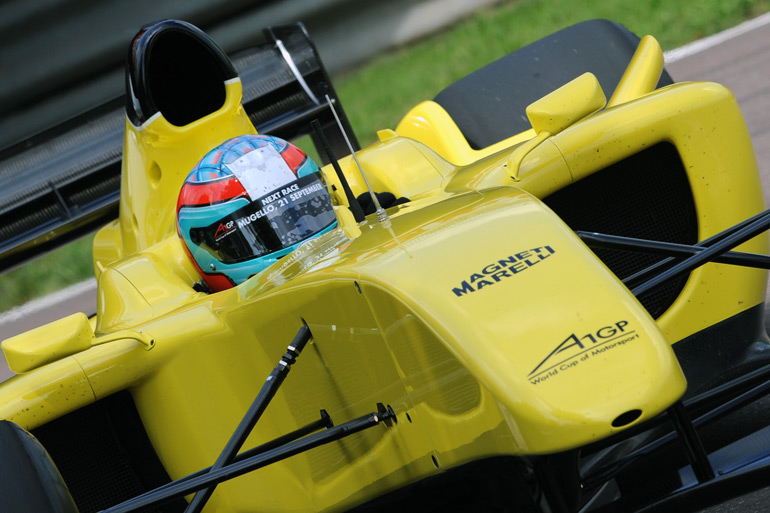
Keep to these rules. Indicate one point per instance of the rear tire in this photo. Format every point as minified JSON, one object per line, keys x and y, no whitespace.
{"x":29,"y":480}
{"x":489,"y":104}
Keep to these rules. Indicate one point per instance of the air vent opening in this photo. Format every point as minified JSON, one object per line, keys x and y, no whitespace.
{"x":646,"y":196}
{"x":626,"y":418}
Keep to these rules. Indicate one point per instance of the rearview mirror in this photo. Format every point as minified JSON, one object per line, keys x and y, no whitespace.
{"x":568,"y":104}
{"x":59,"y":339}
{"x":556,"y":111}
{"x":48,"y":343}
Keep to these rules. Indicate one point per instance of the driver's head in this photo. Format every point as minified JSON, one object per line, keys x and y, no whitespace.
{"x":247,"y":203}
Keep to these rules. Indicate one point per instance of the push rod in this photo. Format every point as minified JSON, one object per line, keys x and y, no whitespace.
{"x":324,"y":422}
{"x":693,"y":446}
{"x":656,"y":267}
{"x":736,"y":238}
{"x":265,"y":395}
{"x":671,"y":249}
{"x":209,"y":479}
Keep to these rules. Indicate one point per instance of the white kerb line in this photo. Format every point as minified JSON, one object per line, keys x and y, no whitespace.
{"x":716,"y":39}
{"x":62,"y":296}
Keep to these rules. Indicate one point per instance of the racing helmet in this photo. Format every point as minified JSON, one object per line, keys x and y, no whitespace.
{"x":247,"y":203}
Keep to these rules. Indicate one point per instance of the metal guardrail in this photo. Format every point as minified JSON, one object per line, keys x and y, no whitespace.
{"x":61,"y":58}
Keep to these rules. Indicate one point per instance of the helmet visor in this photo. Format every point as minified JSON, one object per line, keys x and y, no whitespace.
{"x":278,"y":220}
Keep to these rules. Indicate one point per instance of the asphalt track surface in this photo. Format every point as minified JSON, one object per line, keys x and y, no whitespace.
{"x":738,"y":58}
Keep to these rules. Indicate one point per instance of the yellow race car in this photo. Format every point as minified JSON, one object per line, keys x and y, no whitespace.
{"x":525,"y":297}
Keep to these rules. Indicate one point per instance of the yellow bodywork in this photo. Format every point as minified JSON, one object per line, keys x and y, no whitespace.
{"x":473,"y":311}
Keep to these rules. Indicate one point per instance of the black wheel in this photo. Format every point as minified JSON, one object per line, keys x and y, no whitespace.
{"x":29,"y":480}
{"x":489,"y":104}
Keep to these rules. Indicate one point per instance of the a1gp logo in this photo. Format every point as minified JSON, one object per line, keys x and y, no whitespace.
{"x":575,"y":343}
{"x":223,"y":229}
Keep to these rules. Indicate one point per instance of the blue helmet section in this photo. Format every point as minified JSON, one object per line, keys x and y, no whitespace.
{"x":217,"y":189}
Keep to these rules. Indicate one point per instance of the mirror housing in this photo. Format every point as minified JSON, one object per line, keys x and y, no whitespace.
{"x":556,"y":111}
{"x":59,"y":339}
{"x":568,"y":104}
{"x":48,"y":343}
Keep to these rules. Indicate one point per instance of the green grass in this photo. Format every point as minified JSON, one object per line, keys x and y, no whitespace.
{"x":378,"y":94}
{"x":48,"y":273}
